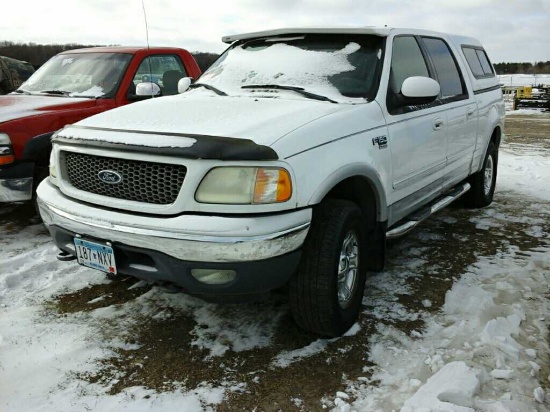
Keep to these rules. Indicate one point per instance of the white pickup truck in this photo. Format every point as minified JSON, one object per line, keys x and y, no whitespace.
{"x":288,"y":163}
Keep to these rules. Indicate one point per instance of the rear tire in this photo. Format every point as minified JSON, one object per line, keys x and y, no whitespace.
{"x":327,"y":290}
{"x":483,"y":182}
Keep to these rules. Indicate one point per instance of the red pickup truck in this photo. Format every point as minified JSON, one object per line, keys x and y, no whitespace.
{"x":71,"y":86}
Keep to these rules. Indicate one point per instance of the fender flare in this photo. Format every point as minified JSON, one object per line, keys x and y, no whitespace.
{"x":494,"y":124}
{"x":38,"y":148}
{"x":355,"y":170}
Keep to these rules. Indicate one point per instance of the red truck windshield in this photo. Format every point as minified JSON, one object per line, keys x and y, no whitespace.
{"x":79,"y":75}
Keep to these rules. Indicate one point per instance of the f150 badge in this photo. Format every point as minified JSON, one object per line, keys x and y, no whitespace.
{"x":381,"y":141}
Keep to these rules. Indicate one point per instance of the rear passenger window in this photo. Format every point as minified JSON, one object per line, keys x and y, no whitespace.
{"x":473,"y":61}
{"x":487,"y":69}
{"x":478,"y":62}
{"x":448,"y":74}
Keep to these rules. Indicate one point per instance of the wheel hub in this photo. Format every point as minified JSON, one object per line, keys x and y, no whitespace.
{"x":347,"y":269}
{"x":488,"y":176}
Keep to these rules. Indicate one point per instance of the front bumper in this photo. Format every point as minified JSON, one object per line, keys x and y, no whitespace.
{"x":263,"y":250}
{"x":16,"y":182}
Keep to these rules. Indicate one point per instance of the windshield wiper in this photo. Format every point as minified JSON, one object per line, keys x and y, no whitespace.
{"x":21,"y":91}
{"x":60,"y":92}
{"x":207,"y":86}
{"x":300,"y":90}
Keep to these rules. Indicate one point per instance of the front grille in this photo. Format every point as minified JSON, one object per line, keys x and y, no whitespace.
{"x":157,"y":183}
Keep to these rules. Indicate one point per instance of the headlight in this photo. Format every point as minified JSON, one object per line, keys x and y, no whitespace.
{"x":245,"y":185}
{"x":6,"y":150}
{"x":53,"y":166}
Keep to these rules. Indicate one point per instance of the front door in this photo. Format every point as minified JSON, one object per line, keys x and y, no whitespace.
{"x":417,"y":134}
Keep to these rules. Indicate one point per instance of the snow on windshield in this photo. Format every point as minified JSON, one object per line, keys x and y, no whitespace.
{"x":80,"y":74}
{"x":281,"y":64}
{"x":94,"y":91}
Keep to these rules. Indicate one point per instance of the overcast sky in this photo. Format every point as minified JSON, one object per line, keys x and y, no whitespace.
{"x":511,"y":30}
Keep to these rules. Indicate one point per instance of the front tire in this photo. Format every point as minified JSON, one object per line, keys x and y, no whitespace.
{"x":483,"y":182}
{"x":327,"y":290}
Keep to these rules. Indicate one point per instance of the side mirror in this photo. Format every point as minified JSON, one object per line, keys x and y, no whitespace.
{"x":418,"y":90}
{"x":147,"y":89}
{"x":183,"y":84}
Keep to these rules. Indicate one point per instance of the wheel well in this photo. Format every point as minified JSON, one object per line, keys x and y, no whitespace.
{"x":358,"y":190}
{"x":37,"y":150}
{"x":41,"y":166}
{"x":496,"y":136}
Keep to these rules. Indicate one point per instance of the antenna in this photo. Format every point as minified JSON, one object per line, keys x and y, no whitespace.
{"x":146,"y":26}
{"x":148,"y":47}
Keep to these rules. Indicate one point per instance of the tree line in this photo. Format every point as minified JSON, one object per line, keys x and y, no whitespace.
{"x":523,"y":68}
{"x":38,"y":54}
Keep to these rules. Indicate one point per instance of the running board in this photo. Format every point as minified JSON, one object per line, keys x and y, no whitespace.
{"x":415,"y":218}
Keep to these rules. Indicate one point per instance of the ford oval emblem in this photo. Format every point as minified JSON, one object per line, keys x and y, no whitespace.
{"x":109,"y":176}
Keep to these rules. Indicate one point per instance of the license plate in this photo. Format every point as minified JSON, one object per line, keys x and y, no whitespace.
{"x":95,"y":255}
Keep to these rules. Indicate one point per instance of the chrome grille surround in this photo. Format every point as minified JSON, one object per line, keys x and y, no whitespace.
{"x":146,"y":182}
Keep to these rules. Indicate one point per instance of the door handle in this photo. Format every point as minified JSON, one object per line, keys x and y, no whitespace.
{"x":438,"y":123}
{"x":470,"y":111}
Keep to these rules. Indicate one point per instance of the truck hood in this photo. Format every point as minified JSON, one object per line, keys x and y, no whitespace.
{"x":262,"y":120}
{"x":17,"y":106}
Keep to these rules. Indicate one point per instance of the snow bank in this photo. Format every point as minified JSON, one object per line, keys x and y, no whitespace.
{"x":523,"y":112}
{"x":449,"y":390}
{"x":485,"y":348}
{"x":470,"y":356}
{"x":40,"y":356}
{"x":286,"y":358}
{"x":523,"y":79}
{"x":530,"y":176}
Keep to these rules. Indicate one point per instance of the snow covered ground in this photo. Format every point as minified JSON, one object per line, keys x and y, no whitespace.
{"x":524,"y":79}
{"x":457,"y":322}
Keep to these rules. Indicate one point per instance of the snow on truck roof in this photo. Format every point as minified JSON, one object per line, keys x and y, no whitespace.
{"x":377,"y":31}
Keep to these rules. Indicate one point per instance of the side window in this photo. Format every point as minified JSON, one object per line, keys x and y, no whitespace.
{"x":407,"y":60}
{"x":473,"y":61}
{"x":165,"y":70}
{"x":478,"y":62}
{"x":448,"y":74}
{"x":487,"y":68}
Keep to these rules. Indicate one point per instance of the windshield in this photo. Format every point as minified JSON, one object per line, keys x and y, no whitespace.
{"x":79,"y":75}
{"x":340,"y":67}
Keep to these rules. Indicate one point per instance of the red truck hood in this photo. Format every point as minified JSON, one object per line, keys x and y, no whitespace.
{"x":15,"y":106}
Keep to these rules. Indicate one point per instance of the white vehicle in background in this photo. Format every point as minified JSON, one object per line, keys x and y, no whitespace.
{"x":289,"y":162}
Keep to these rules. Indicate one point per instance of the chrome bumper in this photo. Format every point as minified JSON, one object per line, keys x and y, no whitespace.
{"x":15,"y":190}
{"x":186,"y":237}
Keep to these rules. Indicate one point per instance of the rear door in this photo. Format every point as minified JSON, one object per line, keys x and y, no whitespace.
{"x":460,"y":110}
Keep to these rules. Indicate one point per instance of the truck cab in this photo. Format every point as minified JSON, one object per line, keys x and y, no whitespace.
{"x":72,"y":86}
